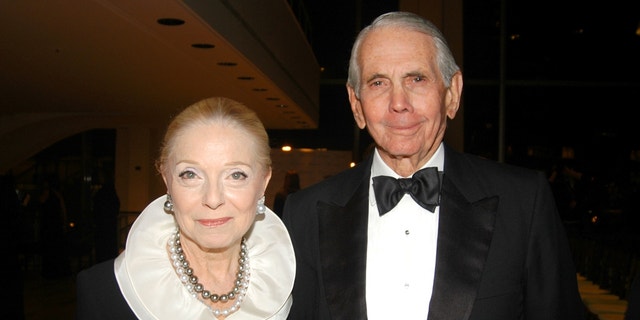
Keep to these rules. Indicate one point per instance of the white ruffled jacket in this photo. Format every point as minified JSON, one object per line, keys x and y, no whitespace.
{"x":153,"y":290}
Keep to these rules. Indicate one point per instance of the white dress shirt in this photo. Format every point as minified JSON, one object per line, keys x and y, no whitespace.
{"x":401,"y":252}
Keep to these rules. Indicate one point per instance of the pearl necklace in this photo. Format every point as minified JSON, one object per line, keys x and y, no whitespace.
{"x":190,"y":281}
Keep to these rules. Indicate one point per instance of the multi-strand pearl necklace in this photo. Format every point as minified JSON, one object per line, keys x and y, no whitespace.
{"x":190,"y":281}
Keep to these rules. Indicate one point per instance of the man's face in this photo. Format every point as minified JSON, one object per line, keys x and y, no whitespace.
{"x":403,"y":102}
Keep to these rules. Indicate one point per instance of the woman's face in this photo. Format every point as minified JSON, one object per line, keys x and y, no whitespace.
{"x":215,"y":180}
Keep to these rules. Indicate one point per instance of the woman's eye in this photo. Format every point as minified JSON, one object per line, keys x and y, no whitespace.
{"x":238,"y":175}
{"x":187,"y":175}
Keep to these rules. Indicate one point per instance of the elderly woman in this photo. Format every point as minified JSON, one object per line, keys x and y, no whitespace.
{"x":209,"y":249}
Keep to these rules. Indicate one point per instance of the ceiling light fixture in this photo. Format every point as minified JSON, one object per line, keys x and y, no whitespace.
{"x":203,"y":46}
{"x":170,"y":22}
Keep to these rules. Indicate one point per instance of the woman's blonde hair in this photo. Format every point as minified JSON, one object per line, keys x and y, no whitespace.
{"x":221,"y":110}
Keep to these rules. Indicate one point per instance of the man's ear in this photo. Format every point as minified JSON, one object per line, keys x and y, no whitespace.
{"x":453,"y":96}
{"x":356,"y":108}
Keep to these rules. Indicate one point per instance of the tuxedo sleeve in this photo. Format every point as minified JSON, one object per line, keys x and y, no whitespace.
{"x":551,"y":287}
{"x":98,"y":296}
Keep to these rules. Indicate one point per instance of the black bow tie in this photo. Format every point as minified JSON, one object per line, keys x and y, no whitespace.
{"x":423,"y":186}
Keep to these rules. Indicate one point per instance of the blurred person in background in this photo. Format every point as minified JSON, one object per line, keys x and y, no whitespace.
{"x":291,"y":184}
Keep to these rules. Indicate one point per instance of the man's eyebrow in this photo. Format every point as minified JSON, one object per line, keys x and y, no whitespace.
{"x":375,"y":76}
{"x":414,"y":74}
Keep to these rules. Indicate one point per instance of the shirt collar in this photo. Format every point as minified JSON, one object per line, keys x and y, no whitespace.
{"x":379,"y":167}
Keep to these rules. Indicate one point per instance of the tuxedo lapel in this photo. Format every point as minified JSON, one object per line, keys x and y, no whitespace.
{"x":464,"y":237}
{"x":343,"y":248}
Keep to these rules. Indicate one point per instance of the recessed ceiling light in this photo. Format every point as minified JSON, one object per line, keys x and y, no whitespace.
{"x":170,"y":21}
{"x":203,"y":46}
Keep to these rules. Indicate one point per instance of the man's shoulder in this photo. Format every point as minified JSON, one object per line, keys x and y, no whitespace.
{"x":470,"y":167}
{"x":478,"y":162}
{"x":336,"y":184}
{"x":104,"y":269}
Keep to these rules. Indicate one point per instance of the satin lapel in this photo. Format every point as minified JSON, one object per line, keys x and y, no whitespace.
{"x":464,"y":237}
{"x":343,"y":249}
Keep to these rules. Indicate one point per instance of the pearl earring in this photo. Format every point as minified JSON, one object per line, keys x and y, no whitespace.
{"x":168,"y":205}
{"x":261,"y":207}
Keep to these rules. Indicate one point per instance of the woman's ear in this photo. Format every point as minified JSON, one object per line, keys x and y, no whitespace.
{"x":267,"y":178}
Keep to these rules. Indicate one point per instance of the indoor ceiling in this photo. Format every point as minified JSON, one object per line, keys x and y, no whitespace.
{"x":68,"y":66}
{"x":112,"y":59}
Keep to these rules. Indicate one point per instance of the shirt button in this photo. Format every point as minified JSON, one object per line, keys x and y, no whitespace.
{"x":406,"y":232}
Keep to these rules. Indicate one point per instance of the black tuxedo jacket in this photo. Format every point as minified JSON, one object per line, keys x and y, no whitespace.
{"x":502,"y":251}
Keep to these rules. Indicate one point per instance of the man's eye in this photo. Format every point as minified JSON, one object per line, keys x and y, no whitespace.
{"x":418,"y":79}
{"x":376,"y":83}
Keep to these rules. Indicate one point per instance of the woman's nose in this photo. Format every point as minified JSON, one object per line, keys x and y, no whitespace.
{"x":213,"y":196}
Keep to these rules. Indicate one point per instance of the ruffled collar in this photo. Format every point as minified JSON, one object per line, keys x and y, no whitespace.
{"x":154,"y":291}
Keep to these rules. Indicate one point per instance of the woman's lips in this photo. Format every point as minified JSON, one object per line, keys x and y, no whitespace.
{"x":213,"y":222}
